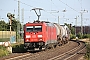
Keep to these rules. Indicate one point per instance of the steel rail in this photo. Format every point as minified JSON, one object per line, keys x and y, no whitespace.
{"x":64,"y":55}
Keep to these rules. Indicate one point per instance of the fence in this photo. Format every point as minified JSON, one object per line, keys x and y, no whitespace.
{"x":5,"y":35}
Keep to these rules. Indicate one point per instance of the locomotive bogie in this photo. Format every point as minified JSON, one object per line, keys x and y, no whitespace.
{"x":33,"y":46}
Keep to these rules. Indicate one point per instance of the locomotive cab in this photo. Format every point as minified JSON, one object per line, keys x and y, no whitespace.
{"x":34,"y":36}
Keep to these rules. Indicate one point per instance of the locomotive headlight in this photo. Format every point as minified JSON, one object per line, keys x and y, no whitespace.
{"x":27,"y":40}
{"x":40,"y":39}
{"x":40,"y":36}
{"x":28,"y":36}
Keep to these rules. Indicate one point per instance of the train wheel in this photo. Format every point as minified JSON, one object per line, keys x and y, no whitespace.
{"x":62,"y":42}
{"x":59,"y":43}
{"x":46,"y":47}
{"x":55,"y":45}
{"x":66,"y":41}
{"x":40,"y":48}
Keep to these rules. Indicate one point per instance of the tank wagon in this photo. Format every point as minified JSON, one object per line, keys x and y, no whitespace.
{"x":40,"y":35}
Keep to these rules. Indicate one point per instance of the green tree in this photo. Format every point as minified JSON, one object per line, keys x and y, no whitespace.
{"x":14,"y":25}
{"x":72,"y":28}
{"x":3,"y":25}
{"x":6,"y":26}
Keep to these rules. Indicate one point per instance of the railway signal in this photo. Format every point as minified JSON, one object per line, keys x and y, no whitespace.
{"x":11,"y":17}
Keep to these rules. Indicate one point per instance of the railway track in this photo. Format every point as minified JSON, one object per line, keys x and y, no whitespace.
{"x":58,"y":53}
{"x":69,"y":54}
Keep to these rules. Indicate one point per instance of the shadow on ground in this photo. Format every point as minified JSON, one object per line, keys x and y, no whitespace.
{"x":18,"y":49}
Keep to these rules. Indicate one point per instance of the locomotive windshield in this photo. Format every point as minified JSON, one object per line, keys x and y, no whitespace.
{"x":33,"y":28}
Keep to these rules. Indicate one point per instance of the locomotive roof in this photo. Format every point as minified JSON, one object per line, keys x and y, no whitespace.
{"x":40,"y":23}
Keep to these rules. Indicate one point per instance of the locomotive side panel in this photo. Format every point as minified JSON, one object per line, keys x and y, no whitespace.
{"x":51,"y":34}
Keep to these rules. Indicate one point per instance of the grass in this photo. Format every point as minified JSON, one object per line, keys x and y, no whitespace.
{"x":16,"y":48}
{"x":3,"y":51}
{"x":87,"y":56}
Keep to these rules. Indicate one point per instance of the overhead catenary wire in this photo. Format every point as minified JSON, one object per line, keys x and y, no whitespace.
{"x":81,"y":4}
{"x":24,"y":3}
{"x":53,"y":3}
{"x":50,"y":13}
{"x":69,"y":6}
{"x":34,"y":7}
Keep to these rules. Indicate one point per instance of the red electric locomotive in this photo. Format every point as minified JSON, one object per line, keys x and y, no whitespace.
{"x":38,"y":35}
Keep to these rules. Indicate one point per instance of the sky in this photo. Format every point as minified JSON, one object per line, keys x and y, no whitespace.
{"x":51,"y":10}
